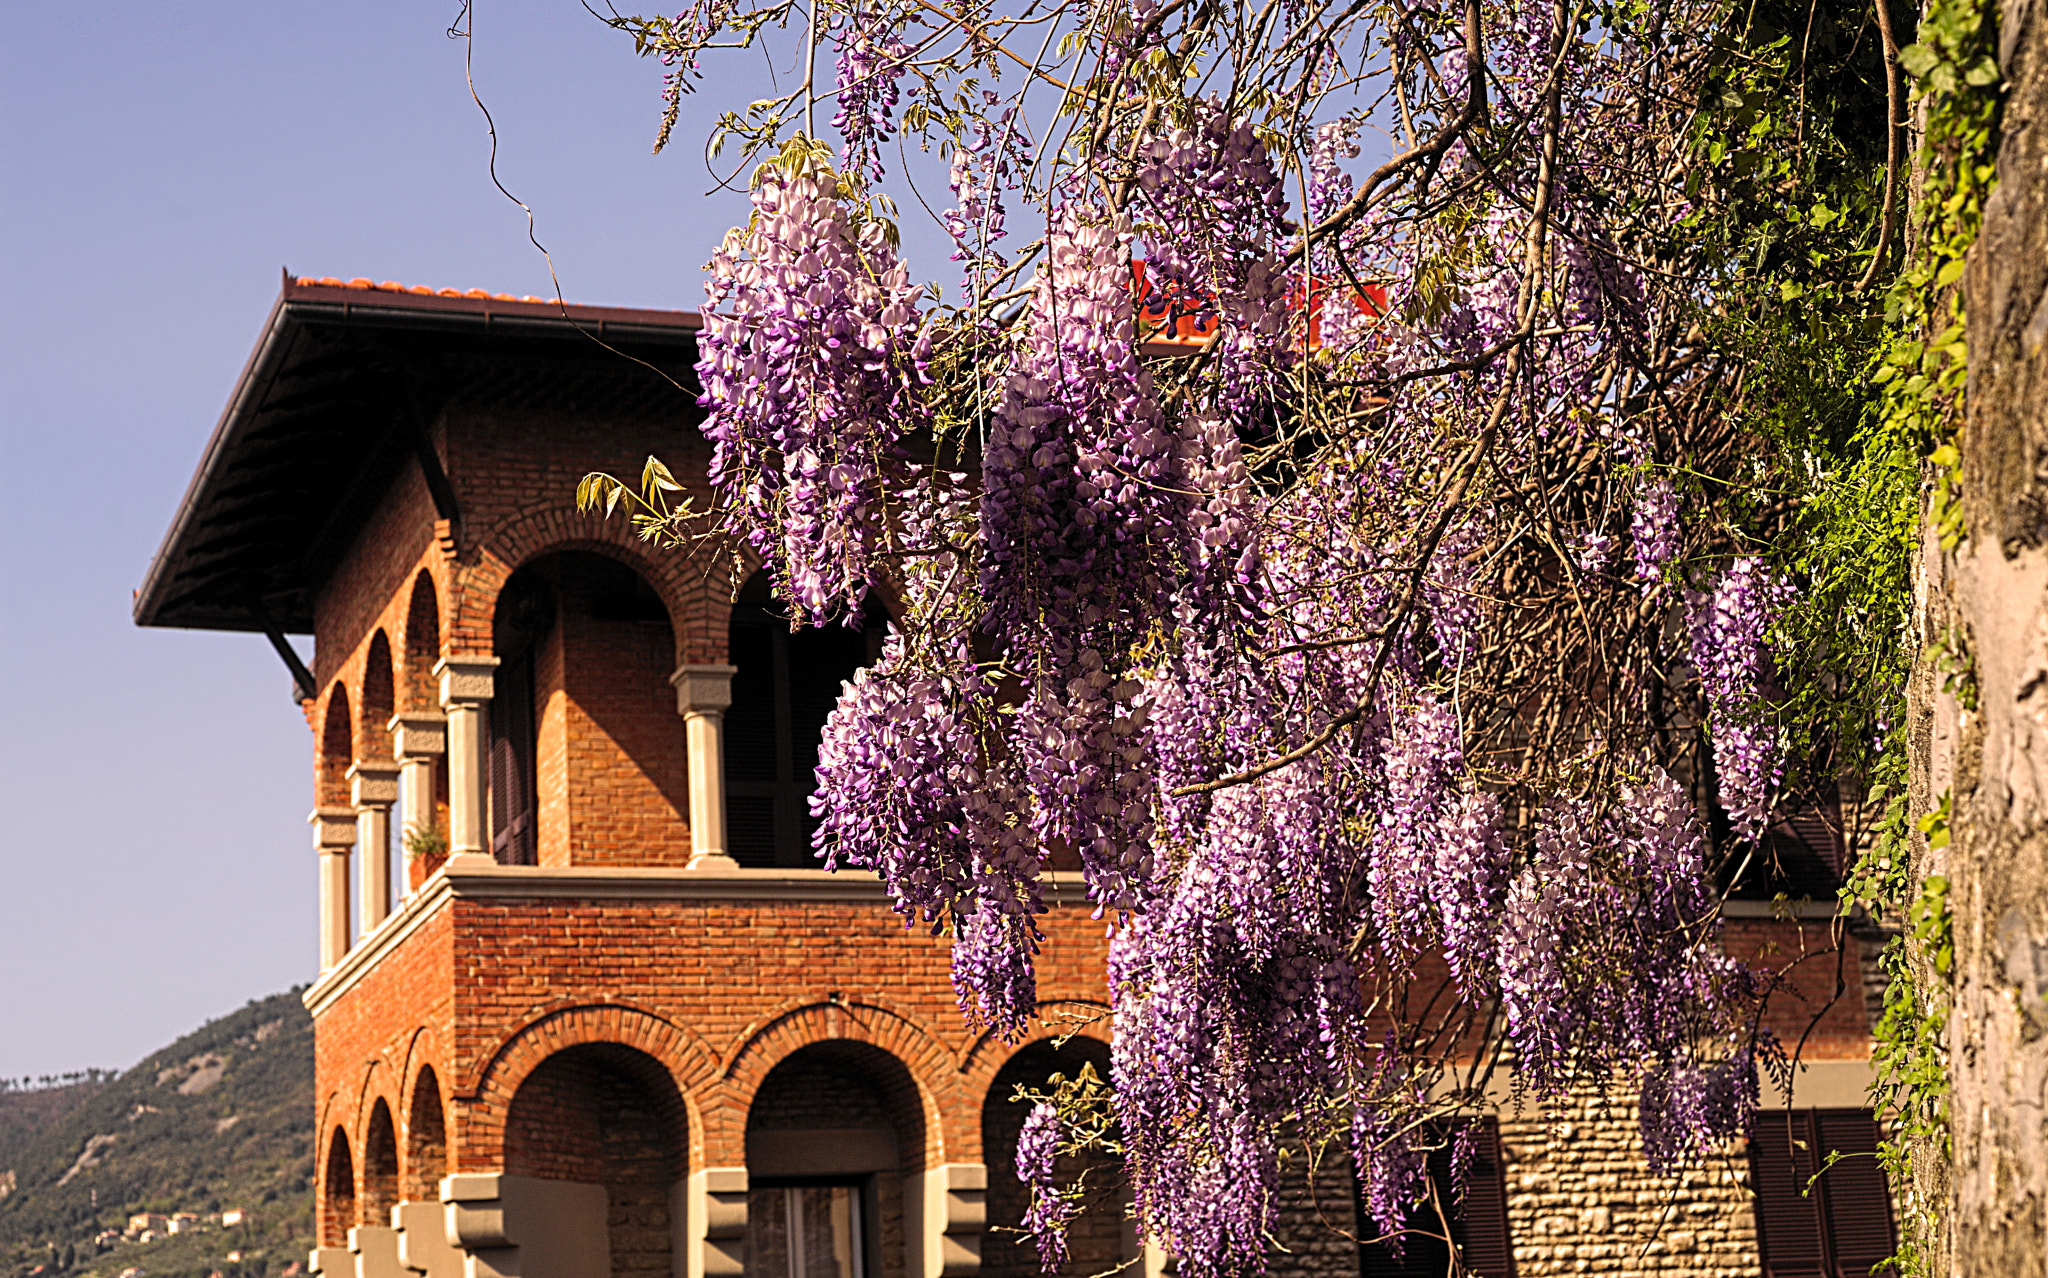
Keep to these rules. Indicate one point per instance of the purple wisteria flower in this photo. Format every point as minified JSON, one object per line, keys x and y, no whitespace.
{"x":809,"y":351}
{"x":1050,"y":1212}
{"x":1727,"y":626}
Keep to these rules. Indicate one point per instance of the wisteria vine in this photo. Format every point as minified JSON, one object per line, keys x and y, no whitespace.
{"x":1336,"y":561}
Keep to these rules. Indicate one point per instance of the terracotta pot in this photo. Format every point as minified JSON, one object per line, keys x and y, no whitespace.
{"x":418,"y":869}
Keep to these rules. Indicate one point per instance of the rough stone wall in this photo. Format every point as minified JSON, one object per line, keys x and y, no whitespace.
{"x":1317,"y":1225}
{"x":1994,"y":587}
{"x":1581,"y":1200}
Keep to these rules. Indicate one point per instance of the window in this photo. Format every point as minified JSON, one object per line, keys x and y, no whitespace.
{"x":785,"y":686}
{"x":1842,"y":1227}
{"x":1478,"y":1223}
{"x":805,"y":1231}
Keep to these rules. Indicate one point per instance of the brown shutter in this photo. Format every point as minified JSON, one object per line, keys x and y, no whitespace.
{"x":512,"y":763}
{"x":1858,"y":1205}
{"x":1482,"y":1221}
{"x":1789,"y":1227}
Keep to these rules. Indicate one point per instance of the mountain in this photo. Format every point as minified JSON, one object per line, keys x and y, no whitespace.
{"x":220,"y":1120}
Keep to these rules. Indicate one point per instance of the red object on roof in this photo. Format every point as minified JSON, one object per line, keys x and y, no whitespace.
{"x":1160,"y":307}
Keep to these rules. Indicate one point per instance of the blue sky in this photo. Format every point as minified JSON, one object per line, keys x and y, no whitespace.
{"x":158,"y":164}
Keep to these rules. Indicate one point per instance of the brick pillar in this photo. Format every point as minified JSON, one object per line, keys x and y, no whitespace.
{"x":334,"y":834}
{"x":466,"y":685}
{"x":703,"y":694}
{"x":373,"y":788}
{"x":419,"y":740}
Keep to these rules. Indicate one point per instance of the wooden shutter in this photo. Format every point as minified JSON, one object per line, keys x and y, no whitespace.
{"x":1481,"y":1221}
{"x":1856,"y":1200}
{"x":1789,"y":1229}
{"x":512,"y":788}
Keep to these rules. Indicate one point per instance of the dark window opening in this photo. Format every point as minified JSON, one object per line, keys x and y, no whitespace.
{"x":1477,"y":1224}
{"x":1842,"y":1226}
{"x":807,"y":1230}
{"x":785,"y":686}
{"x":1804,"y":852}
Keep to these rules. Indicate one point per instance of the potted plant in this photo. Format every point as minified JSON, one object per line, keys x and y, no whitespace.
{"x":426,"y":848}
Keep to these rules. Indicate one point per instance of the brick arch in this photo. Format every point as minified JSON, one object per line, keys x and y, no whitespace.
{"x":425,"y":1159}
{"x":694,"y":587}
{"x":338,"y":1194}
{"x":367,"y":1096}
{"x":379,"y":1164}
{"x":420,"y":642}
{"x":1096,"y":1236}
{"x":928,"y":1067}
{"x":377,"y":700}
{"x":335,"y":748}
{"x":523,"y":1049}
{"x":990,"y":1052}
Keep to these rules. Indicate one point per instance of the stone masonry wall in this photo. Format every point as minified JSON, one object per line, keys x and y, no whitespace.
{"x":1581,"y":1200}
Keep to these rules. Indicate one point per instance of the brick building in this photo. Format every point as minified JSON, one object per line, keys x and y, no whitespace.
{"x":603,"y":1016}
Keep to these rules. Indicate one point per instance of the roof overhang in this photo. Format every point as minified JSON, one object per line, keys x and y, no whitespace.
{"x":335,"y":402}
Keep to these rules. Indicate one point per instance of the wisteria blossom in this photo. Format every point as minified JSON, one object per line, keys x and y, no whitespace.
{"x":1290,"y":542}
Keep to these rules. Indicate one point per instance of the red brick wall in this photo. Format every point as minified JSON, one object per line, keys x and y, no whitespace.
{"x":627,"y":762}
{"x":384,"y":1040}
{"x":719,"y":993}
{"x":1801,"y":959}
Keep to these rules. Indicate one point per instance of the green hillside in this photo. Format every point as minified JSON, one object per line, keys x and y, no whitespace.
{"x":220,"y":1120}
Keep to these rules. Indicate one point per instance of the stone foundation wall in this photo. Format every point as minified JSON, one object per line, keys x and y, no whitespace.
{"x":1581,"y":1200}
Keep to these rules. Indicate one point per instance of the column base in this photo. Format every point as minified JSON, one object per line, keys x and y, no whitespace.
{"x":711,"y":861}
{"x":462,"y":861}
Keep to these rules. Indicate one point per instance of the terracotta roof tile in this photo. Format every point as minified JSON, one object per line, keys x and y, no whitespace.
{"x":393,"y":286}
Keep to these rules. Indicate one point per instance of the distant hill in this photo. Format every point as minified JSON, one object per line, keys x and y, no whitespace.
{"x":222,"y":1119}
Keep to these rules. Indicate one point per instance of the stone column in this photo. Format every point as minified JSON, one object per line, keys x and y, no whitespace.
{"x":466,"y":684}
{"x":334,"y":833}
{"x":945,"y":1210}
{"x":373,"y":788}
{"x":703,"y":694}
{"x":418,"y":740}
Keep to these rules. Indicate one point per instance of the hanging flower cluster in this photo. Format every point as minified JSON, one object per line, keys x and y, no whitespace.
{"x":1338,"y":650}
{"x":1727,"y":625}
{"x":810,"y":352}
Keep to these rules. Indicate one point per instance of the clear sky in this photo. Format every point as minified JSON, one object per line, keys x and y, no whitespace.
{"x":159,"y":162}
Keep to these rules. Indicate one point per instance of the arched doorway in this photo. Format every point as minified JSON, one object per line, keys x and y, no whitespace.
{"x":603,"y":1114}
{"x":1100,"y":1239}
{"x":784,"y":686}
{"x":831,"y":1134}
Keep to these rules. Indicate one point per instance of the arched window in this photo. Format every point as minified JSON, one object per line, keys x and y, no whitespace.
{"x":337,"y":1192}
{"x":785,"y":686}
{"x":606,"y":1114}
{"x":426,"y":1140}
{"x":830,"y":1135}
{"x":1097,"y":1240}
{"x":380,"y":1167}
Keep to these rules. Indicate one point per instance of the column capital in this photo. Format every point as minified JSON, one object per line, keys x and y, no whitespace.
{"x":373,"y":782}
{"x":703,"y":689}
{"x":419,"y":735}
{"x":465,"y":680}
{"x":334,"y":829}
